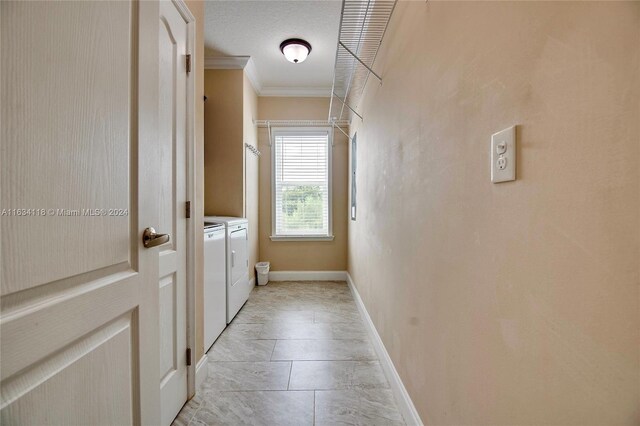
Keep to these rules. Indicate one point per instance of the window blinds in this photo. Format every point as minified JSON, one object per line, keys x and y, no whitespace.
{"x":301,"y":190}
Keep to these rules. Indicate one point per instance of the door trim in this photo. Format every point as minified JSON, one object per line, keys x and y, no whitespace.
{"x":192,"y":227}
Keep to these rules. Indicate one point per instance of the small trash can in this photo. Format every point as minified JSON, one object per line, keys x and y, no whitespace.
{"x":263,"y":272}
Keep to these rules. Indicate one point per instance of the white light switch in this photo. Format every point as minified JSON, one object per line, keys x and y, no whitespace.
{"x":503,"y":155}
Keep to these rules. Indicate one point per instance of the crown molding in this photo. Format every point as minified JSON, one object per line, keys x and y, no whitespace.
{"x":296,"y":92}
{"x":226,"y":62}
{"x":235,"y":63}
{"x":246,"y":63}
{"x":252,"y":75}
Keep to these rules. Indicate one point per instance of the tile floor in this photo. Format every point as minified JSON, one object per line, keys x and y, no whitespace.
{"x":296,"y":354}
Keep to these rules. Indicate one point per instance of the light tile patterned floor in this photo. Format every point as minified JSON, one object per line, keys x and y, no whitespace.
{"x":296,"y":354}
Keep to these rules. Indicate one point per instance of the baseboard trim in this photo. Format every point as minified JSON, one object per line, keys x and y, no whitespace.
{"x":405,"y":405}
{"x":202,"y":371}
{"x":308,"y":276}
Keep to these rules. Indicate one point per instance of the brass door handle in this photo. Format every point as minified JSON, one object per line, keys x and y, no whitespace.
{"x":152,"y":239}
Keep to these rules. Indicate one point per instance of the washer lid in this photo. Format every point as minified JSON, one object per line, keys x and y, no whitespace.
{"x":227,"y":220}
{"x":212,"y":226}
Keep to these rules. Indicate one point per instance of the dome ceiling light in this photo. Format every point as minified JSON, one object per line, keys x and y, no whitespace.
{"x":295,"y":50}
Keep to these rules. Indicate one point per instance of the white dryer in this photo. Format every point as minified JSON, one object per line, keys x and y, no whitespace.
{"x":238,"y":283}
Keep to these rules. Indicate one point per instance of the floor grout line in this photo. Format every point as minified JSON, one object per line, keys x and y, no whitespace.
{"x":290,"y":370}
{"x":195,"y":412}
{"x":273,"y":376}
{"x":273,"y":350}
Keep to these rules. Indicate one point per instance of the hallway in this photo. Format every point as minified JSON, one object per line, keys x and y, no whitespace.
{"x":296,"y":354}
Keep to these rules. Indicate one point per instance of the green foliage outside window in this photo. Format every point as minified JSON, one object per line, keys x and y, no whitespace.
{"x":302,"y":207}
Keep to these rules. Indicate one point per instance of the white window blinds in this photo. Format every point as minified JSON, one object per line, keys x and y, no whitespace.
{"x":301,"y":183}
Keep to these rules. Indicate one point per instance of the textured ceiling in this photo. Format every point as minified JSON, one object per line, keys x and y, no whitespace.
{"x":256,"y":29}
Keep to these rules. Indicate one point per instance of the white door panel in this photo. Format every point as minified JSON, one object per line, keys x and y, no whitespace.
{"x":74,"y":369}
{"x":79,"y":317}
{"x":61,"y":108}
{"x":171,"y":198}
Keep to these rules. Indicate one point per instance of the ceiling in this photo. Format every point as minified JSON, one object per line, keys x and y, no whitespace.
{"x":255,"y":29}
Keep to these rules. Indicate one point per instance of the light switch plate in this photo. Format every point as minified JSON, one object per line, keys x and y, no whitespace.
{"x":503,"y":155}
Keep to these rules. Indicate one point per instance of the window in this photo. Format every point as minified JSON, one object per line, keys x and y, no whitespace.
{"x":301,"y":184}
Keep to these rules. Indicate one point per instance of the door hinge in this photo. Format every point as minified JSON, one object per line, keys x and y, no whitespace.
{"x":188,"y":356}
{"x":188,"y":62}
{"x":187,"y":209}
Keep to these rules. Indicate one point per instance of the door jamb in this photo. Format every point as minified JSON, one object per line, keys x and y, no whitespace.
{"x":191,"y":237}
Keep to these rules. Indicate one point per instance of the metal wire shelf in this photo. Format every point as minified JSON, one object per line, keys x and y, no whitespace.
{"x":336,"y":124}
{"x":363,"y":24}
{"x":296,"y":123}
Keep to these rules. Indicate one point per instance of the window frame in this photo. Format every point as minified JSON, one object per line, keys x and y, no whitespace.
{"x":278,"y":131}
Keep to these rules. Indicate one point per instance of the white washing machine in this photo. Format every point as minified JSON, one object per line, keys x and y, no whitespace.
{"x":215,"y":282}
{"x":237,"y":239}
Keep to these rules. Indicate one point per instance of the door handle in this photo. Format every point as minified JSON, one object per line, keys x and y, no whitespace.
{"x":150,"y":238}
{"x":233,"y":258}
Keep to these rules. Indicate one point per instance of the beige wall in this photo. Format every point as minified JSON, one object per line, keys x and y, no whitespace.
{"x":304,"y":255}
{"x":250,"y":112}
{"x":514,"y":303}
{"x":223,"y":143}
{"x":197,"y":9}
{"x":231,"y":170}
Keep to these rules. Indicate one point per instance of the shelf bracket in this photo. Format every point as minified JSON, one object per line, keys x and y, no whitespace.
{"x":360,"y":60}
{"x":334,"y":125}
{"x":347,"y":105}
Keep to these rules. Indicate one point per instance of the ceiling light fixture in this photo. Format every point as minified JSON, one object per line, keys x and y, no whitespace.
{"x":295,"y":50}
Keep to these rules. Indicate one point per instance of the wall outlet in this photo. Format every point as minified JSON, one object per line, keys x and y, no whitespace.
{"x":503,"y":155}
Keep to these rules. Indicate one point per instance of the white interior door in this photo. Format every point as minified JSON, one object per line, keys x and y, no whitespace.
{"x":79,"y":314}
{"x":172,"y":196}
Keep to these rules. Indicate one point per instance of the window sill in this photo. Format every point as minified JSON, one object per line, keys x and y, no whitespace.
{"x":301,"y":238}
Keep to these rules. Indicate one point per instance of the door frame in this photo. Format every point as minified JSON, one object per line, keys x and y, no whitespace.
{"x":192,"y":229}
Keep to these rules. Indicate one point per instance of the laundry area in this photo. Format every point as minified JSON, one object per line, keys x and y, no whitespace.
{"x":325,"y":254}
{"x":226,"y":278}
{"x":319,"y":212}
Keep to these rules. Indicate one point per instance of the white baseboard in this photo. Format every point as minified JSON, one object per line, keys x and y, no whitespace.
{"x":405,"y":405}
{"x":252,"y":283}
{"x":202,"y":371}
{"x":307,"y":276}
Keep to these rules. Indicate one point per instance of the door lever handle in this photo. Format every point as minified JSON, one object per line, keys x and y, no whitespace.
{"x":150,"y":238}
